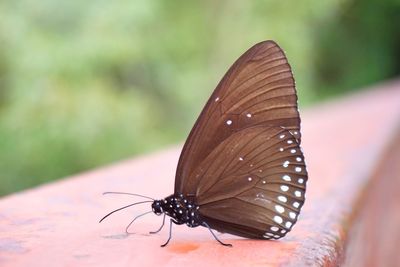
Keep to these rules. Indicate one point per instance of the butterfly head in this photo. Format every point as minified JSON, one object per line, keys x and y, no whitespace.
{"x":157,"y":207}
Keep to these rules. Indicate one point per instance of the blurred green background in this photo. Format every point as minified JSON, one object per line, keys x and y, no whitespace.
{"x":86,"y":83}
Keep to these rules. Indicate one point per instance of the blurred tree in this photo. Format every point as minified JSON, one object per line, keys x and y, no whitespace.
{"x":359,"y":46}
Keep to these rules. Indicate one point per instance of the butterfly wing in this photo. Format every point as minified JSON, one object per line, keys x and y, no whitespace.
{"x":253,"y":183}
{"x":258,"y":89}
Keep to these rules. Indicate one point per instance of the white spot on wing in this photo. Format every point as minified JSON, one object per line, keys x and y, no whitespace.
{"x":274,"y":228}
{"x":286,"y":178}
{"x":229,"y":122}
{"x":297,"y":169}
{"x":285,"y":164}
{"x":296,"y":204}
{"x":284,"y":188}
{"x":278,"y":219}
{"x":282,"y":199}
{"x":279,"y":209}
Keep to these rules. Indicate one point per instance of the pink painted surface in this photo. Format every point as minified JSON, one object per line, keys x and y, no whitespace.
{"x":57,"y":224}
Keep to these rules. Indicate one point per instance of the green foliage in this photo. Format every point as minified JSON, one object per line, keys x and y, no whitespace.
{"x":357,"y":47}
{"x":85,"y":83}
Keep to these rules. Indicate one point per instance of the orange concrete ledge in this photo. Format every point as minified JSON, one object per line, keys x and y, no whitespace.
{"x":344,"y":141}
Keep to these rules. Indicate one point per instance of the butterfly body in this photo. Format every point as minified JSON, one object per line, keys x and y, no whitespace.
{"x":180,"y":209}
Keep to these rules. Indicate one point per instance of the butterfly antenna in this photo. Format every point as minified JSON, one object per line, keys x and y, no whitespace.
{"x":129,"y":225}
{"x":127,"y":206}
{"x":125,"y":193}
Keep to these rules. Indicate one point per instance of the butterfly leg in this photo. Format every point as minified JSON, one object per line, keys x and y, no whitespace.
{"x":170,"y":231}
{"x":161,"y":227}
{"x":129,"y":225}
{"x":216,"y":238}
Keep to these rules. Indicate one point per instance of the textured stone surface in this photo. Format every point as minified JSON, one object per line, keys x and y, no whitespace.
{"x":57,"y":224}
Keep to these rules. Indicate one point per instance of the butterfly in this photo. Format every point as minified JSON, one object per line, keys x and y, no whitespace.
{"x":242,"y":170}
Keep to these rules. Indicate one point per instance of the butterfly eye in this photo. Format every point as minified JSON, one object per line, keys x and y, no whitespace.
{"x":156,"y":207}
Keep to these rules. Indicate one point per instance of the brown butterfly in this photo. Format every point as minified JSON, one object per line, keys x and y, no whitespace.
{"x":241,"y":170}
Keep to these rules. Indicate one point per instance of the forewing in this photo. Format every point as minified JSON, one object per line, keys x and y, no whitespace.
{"x":253,"y":182}
{"x":258,"y":89}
